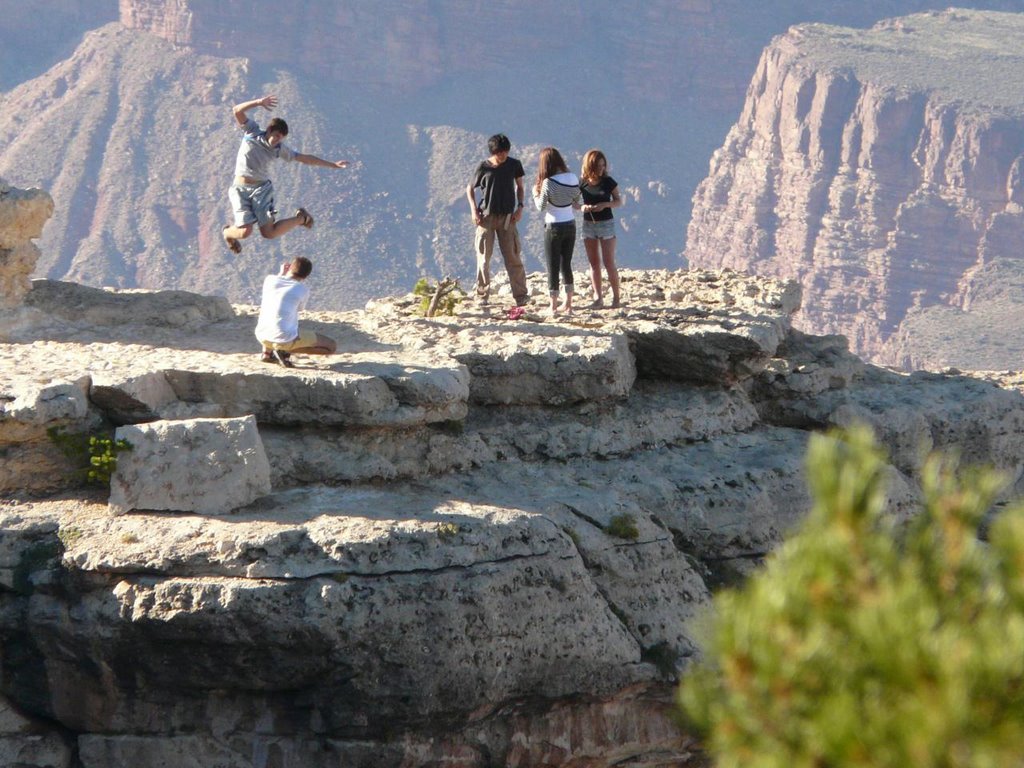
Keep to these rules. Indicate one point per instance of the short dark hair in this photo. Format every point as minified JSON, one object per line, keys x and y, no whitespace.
{"x":301,"y":267}
{"x":278,"y":125}
{"x":498,"y":143}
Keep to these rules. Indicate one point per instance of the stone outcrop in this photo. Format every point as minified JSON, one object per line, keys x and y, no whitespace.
{"x":22,"y":216}
{"x":865,"y":167}
{"x":208,"y":466}
{"x":450,"y":568}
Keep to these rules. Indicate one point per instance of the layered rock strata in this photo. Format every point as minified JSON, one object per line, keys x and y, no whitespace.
{"x":451,"y":568}
{"x":881,"y":169}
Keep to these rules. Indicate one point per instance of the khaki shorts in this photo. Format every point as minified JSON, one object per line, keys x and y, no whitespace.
{"x":303,"y":340}
{"x":253,"y":204}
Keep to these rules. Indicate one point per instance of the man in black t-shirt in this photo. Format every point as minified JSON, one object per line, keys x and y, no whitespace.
{"x":500,"y":181}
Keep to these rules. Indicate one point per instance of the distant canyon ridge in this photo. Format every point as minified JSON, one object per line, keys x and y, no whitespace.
{"x":884,"y":169}
{"x":121,"y":110}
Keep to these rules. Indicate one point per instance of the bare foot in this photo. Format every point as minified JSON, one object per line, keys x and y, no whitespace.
{"x":307,"y":220}
{"x":233,"y":245}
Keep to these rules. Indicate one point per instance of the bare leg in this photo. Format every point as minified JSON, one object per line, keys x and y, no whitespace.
{"x":608,"y":256}
{"x":278,"y":228}
{"x":234,"y":235}
{"x":325,"y":345}
{"x":591,"y":244}
{"x":238,"y":233}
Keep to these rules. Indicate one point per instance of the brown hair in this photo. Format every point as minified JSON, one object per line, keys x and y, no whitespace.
{"x":550,"y":163}
{"x":278,"y":125}
{"x":301,"y":267}
{"x":589,"y":171}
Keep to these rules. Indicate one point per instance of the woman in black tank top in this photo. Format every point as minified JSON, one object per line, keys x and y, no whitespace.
{"x":600,"y":196}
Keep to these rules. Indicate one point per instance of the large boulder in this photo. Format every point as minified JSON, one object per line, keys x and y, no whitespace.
{"x":210,"y":466}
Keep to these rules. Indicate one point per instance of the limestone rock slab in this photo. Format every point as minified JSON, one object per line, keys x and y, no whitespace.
{"x":544,"y":366}
{"x":385,"y":394}
{"x":98,"y":306}
{"x":209,"y":466}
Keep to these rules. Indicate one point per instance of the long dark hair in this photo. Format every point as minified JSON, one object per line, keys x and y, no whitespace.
{"x":550,"y":163}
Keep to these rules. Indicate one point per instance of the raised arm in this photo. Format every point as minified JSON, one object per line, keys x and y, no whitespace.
{"x":267,"y":102}
{"x":320,"y":162}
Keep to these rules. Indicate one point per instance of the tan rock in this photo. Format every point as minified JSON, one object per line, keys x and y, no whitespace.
{"x":22,"y":216}
{"x":883,"y":188}
{"x":209,"y":466}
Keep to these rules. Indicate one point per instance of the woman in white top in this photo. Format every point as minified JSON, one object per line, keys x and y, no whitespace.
{"x":557,"y":193}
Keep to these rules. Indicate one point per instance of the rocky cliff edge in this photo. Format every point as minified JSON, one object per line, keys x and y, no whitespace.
{"x":473,"y":540}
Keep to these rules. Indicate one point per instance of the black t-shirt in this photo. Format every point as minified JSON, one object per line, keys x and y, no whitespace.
{"x":499,"y":186}
{"x":598,"y":193}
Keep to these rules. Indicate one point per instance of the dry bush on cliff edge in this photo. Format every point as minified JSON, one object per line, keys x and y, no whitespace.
{"x":862,"y":646}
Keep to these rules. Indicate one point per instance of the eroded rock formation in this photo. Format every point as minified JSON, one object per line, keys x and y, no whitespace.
{"x":487,"y":538}
{"x":22,"y":216}
{"x":881,"y":169}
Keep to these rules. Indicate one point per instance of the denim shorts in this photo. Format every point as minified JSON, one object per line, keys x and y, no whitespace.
{"x":598,"y":230}
{"x":253,"y":204}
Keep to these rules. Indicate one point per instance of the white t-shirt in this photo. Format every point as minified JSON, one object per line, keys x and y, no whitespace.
{"x":282,"y":299}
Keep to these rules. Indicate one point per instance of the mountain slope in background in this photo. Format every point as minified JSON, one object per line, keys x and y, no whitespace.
{"x":133,"y":133}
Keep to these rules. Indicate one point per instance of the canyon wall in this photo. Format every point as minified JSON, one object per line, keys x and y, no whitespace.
{"x":132,"y":131}
{"x":882,"y":169}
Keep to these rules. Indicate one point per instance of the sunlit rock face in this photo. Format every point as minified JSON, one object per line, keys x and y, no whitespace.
{"x":486,"y":540}
{"x":882,"y":169}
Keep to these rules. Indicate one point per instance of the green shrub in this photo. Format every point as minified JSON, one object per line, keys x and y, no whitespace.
{"x":445,"y":296}
{"x":94,"y":456}
{"x":862,"y":645}
{"x":623,"y":527}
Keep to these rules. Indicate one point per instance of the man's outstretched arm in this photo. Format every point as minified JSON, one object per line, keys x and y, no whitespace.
{"x":320,"y":162}
{"x":267,"y":102}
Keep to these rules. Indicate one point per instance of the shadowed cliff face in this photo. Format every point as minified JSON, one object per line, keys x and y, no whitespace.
{"x":881,"y":169}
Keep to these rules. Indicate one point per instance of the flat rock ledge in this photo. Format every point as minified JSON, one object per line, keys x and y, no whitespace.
{"x":484,"y":542}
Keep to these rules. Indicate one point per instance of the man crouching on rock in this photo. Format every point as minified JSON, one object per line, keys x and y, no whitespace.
{"x":277,"y":329}
{"x":252,"y":194}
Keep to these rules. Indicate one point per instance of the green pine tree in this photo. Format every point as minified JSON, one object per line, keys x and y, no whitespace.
{"x":863,"y":644}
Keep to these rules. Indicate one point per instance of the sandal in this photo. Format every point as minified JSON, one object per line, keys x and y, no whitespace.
{"x":307,"y":220}
{"x":284,"y":358}
{"x":233,"y":245}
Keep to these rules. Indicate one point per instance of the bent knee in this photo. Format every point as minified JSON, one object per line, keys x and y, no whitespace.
{"x":329,"y":344}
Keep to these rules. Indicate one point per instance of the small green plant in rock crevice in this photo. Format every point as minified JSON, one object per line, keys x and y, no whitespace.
{"x":623,"y":527}
{"x":447,"y":531}
{"x":95,"y":455}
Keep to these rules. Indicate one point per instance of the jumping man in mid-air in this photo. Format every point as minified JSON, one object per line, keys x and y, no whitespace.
{"x":252,"y":193}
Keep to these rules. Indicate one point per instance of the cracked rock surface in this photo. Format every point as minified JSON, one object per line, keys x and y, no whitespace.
{"x":486,"y":541}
